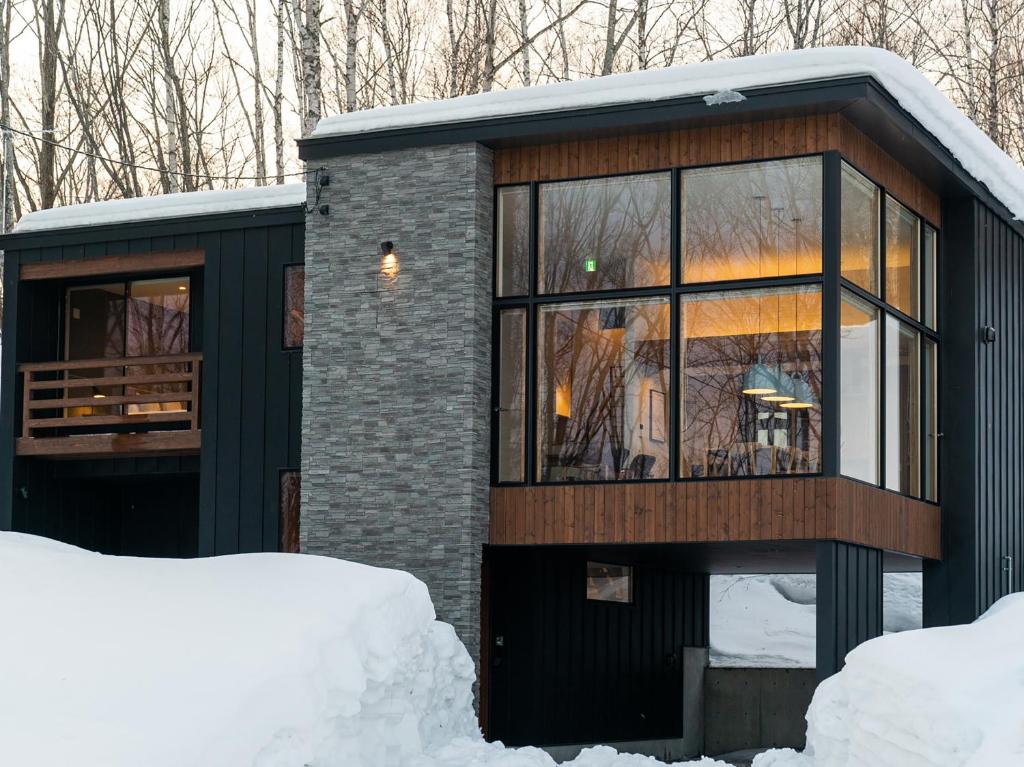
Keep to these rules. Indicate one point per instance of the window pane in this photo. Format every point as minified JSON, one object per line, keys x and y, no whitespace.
{"x":95,"y":330}
{"x":931,"y":420}
{"x":858,"y":389}
{"x":902,"y":408}
{"x":294,"y":305}
{"x":512,"y":395}
{"x":860,"y":230}
{"x":928,"y":290}
{"x":751,"y":382}
{"x":513,"y":241}
{"x":609,"y":583}
{"x":289,"y":511}
{"x":158,"y":324}
{"x":602,"y":384}
{"x":752,"y":220}
{"x":605,"y":233}
{"x":901,"y":249}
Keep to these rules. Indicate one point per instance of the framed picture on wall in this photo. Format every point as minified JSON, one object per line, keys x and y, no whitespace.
{"x":656,"y":416}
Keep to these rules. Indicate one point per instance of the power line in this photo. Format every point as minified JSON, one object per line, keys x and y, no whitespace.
{"x":85,"y":153}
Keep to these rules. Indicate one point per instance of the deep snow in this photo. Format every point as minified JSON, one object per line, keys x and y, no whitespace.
{"x":769,"y":620}
{"x":255,"y":660}
{"x":163,"y":206}
{"x":939,"y":697}
{"x":975,"y":151}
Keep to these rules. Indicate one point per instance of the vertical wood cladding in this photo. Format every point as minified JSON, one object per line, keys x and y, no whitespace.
{"x":782,"y":508}
{"x":709,"y":145}
{"x":563,"y":669}
{"x":849,"y":588}
{"x":251,"y":388}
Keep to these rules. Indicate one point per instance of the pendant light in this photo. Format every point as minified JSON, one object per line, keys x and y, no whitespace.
{"x":760,"y":379}
{"x":784,"y":391}
{"x":803,"y":397}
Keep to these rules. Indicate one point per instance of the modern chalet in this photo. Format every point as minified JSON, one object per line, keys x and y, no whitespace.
{"x":562,"y":353}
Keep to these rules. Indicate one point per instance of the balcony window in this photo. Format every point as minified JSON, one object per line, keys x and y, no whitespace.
{"x":902,"y":408}
{"x":605,"y":233}
{"x":512,"y":396}
{"x":513,"y":241}
{"x":752,"y":220}
{"x":751,"y":382}
{"x":294,"y":306}
{"x":858,"y":389}
{"x":861,"y":203}
{"x":902,"y":232}
{"x":602,"y":384}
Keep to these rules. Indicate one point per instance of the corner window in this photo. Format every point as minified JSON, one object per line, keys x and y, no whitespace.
{"x":930,"y":464}
{"x":609,"y":583}
{"x":750,"y":387}
{"x":512,"y":396}
{"x":751,"y":220}
{"x":902,"y":408}
{"x":513,"y":241}
{"x":605,"y":233}
{"x":861,"y":205}
{"x":294,"y":305}
{"x":288,"y":504}
{"x":929,"y":277}
{"x":602,"y":384}
{"x":858,"y":389}
{"x":902,"y":232}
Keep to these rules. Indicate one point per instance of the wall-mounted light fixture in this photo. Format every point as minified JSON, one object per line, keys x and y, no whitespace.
{"x":388,"y":261}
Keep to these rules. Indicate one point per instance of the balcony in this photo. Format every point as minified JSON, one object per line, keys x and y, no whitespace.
{"x":124,"y":407}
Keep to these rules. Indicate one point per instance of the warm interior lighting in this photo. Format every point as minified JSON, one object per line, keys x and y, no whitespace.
{"x":760,"y":379}
{"x":388,"y":261}
{"x":778,"y":398}
{"x":796,"y":405}
{"x":563,"y":401}
{"x":182,"y":288}
{"x":99,"y":396}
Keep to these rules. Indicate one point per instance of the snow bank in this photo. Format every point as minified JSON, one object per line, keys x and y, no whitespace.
{"x":163,"y":206}
{"x":975,"y":151}
{"x":768,"y":621}
{"x":256,"y":660}
{"x":940,"y":697}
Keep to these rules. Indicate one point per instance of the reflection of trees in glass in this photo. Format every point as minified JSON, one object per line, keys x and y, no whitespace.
{"x":294,"y":305}
{"x":860,"y":229}
{"x":901,"y":249}
{"x":727,"y":432}
{"x":620,"y":225}
{"x":752,"y":220}
{"x":512,"y":395}
{"x":513,"y":241}
{"x":157,"y":324}
{"x":598,"y":363}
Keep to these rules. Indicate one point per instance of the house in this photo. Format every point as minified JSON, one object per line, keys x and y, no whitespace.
{"x":566,"y":352}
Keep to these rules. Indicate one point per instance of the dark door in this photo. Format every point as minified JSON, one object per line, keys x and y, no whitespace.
{"x":567,"y":669}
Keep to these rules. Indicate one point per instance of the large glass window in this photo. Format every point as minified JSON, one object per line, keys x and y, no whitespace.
{"x":513,"y":241}
{"x":605,"y":233}
{"x":512,"y":395}
{"x":602,"y":385}
{"x":752,"y":220}
{"x":930,"y":368}
{"x":751,"y":382}
{"x":861,"y":201}
{"x":902,"y":231}
{"x":858,"y":389}
{"x":902,"y":407}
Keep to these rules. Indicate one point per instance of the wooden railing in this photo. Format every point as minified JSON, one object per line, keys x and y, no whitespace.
{"x":91,"y":396}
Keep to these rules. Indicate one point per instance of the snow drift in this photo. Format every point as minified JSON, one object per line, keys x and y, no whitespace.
{"x":940,"y":697}
{"x":256,"y":660}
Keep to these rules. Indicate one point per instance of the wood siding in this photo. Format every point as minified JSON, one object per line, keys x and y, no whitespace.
{"x":711,"y":145}
{"x":787,"y":508}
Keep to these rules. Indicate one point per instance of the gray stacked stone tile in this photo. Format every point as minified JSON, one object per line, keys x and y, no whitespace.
{"x":396,"y":392}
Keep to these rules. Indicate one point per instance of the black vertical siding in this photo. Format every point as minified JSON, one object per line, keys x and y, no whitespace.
{"x":251,"y":394}
{"x":569,"y":670}
{"x":849,"y":586}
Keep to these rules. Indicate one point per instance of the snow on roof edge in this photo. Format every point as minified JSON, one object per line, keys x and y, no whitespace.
{"x":160,"y":207}
{"x":968,"y":144}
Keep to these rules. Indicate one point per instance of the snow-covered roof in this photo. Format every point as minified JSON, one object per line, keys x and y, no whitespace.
{"x":978,"y":155}
{"x":163,"y":207}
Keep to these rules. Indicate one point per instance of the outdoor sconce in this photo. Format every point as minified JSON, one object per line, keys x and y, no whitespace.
{"x":388,"y":261}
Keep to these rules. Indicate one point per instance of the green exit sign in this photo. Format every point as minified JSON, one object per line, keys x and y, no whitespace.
{"x":590,"y":265}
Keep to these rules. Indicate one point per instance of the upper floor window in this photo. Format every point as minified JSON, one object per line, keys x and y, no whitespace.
{"x":605,"y":233}
{"x":902,"y":246}
{"x":513,"y":241}
{"x":751,"y":221}
{"x":294,"y":305}
{"x":860,"y":231}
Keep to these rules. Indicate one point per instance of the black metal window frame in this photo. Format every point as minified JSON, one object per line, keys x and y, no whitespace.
{"x":829,"y":280}
{"x":887,"y":310}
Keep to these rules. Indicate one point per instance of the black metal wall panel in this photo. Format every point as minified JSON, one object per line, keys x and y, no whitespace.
{"x":567,"y":670}
{"x":849,"y":580}
{"x":251,"y":400}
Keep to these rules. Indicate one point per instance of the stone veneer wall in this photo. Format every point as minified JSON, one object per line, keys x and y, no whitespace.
{"x":397,"y":376}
